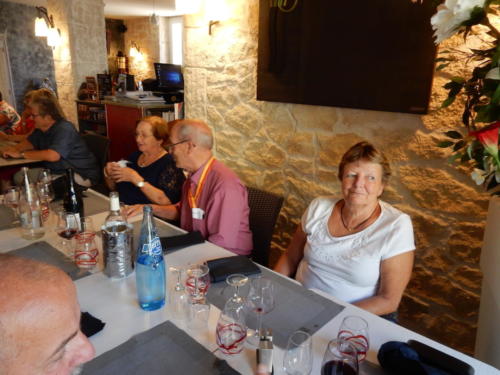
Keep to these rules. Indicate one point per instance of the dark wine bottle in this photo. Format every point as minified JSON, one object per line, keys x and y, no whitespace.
{"x":73,"y":201}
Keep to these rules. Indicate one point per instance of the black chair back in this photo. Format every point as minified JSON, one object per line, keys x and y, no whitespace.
{"x":264,"y":210}
{"x":99,"y":146}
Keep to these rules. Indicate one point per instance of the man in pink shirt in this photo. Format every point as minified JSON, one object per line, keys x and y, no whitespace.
{"x":214,"y":201}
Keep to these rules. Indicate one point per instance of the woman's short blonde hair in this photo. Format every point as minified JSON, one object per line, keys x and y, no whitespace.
{"x":159,"y":128}
{"x":367,"y":152}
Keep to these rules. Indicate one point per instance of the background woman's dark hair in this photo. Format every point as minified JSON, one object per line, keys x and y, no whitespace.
{"x":367,"y":152}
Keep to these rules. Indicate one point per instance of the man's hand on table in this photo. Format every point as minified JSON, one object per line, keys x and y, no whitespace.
{"x":10,"y":152}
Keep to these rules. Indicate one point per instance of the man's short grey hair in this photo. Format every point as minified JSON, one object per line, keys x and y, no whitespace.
{"x":197,"y":132}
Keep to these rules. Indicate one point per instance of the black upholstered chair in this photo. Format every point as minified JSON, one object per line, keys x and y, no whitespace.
{"x":99,"y":146}
{"x":264,"y":210}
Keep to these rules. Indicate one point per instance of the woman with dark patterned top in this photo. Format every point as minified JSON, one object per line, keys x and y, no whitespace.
{"x":150,"y":175}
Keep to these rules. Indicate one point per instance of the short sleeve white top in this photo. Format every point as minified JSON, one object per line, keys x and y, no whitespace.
{"x":348,"y":267}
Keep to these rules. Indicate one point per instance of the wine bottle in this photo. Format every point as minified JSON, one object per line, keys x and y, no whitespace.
{"x":73,"y":201}
{"x":150,"y":266}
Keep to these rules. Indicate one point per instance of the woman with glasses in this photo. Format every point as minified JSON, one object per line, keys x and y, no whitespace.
{"x":150,"y":174}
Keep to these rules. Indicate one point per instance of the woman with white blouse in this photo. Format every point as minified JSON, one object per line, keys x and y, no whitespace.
{"x":358,"y":248}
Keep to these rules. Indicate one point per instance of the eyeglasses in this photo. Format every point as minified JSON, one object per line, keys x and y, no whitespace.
{"x":35,"y":115}
{"x":171,"y":145}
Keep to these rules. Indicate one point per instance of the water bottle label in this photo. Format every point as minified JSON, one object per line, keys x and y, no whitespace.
{"x":153,"y":247}
{"x":156,"y":246}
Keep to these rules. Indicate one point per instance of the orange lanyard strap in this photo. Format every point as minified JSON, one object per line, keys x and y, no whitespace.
{"x":194,"y":198}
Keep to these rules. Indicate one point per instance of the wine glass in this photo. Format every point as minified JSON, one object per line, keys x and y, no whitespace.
{"x":260,"y":301}
{"x":231,"y":328}
{"x":67,"y":228}
{"x":298,"y":356}
{"x":45,"y":176}
{"x":355,"y":330}
{"x":179,"y":301}
{"x":197,"y":282}
{"x":340,"y":358}
{"x":11,"y":199}
{"x":46,"y":195}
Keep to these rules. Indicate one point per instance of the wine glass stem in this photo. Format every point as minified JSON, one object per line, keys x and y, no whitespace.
{"x":259,"y":326}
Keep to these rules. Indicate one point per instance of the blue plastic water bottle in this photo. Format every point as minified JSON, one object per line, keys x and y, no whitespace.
{"x":150,"y":266}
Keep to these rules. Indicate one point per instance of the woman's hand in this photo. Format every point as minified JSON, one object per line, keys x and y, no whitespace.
{"x":119,"y":174}
{"x":134,"y":210}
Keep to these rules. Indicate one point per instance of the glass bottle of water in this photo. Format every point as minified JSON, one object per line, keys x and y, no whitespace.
{"x":150,"y":266}
{"x":115,"y":221}
{"x":30,"y":212}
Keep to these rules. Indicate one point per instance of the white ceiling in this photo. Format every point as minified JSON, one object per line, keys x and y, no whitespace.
{"x":126,"y":8}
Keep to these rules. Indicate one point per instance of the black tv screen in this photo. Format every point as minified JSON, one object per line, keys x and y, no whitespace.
{"x":169,"y":76}
{"x":370,"y":54}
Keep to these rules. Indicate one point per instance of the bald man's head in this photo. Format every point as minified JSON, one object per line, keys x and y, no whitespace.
{"x":39,"y":320}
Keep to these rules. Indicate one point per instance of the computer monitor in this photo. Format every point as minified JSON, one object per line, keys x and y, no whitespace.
{"x":169,"y":77}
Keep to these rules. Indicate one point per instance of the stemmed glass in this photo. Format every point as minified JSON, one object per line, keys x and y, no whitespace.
{"x":197,"y":282}
{"x":298,"y":355}
{"x":355,"y":330}
{"x":11,"y":199}
{"x":178,"y":297}
{"x":67,"y":228}
{"x":231,"y":329}
{"x":340,"y":358}
{"x":260,"y":300}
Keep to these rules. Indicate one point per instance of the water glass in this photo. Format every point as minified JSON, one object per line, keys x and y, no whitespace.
{"x":86,"y":249}
{"x":197,"y":282}
{"x":355,"y":330}
{"x":11,"y":199}
{"x":199,"y":314}
{"x":340,"y":358}
{"x":298,"y":356}
{"x":231,"y":331}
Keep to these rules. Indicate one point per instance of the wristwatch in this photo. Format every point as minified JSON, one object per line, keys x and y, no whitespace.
{"x":140,"y":184}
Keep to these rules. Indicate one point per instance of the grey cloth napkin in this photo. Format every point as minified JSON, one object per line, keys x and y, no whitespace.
{"x":7,"y":218}
{"x":45,"y":253}
{"x":296,"y":308}
{"x":164,"y":349}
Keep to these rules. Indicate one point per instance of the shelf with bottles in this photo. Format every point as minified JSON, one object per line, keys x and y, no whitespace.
{"x":91,"y":116}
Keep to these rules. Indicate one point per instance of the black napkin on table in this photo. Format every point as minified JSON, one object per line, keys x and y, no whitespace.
{"x":90,"y":325}
{"x":181,"y":241}
{"x":410,"y":359}
{"x":221,"y":268}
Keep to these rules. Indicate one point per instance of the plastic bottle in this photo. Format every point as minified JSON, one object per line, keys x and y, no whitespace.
{"x":150,"y":266}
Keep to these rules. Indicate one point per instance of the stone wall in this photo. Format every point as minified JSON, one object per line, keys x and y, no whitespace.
{"x":146,"y":36}
{"x":82,"y":52}
{"x":30,"y":57}
{"x":294,"y":150}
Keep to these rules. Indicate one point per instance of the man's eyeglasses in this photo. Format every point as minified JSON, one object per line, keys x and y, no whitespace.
{"x":35,"y":115}
{"x":170,"y":146}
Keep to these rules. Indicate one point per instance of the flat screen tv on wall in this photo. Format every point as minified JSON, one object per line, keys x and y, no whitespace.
{"x":370,"y":54}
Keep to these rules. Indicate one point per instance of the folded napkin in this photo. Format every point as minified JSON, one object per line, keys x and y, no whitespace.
{"x":221,"y":268}
{"x":416,"y":358}
{"x":181,"y":241}
{"x":90,"y":325}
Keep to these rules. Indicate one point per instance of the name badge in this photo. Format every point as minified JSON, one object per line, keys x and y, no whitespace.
{"x":198,"y":213}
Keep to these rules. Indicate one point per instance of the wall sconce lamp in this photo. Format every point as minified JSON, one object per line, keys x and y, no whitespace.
{"x":215,"y":12}
{"x":44,"y":26}
{"x":135,"y":51}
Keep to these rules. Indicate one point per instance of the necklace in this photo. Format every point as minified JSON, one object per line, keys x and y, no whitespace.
{"x":141,"y":162}
{"x":360,"y":224}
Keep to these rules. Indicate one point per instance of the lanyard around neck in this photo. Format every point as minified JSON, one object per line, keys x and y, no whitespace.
{"x":193,"y":199}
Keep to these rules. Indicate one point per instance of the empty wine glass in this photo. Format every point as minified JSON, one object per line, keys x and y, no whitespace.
{"x":260,"y":301}
{"x":298,"y":356}
{"x":11,"y":199}
{"x":355,"y":330}
{"x":67,"y":228}
{"x":197,"y":282}
{"x":340,"y":358}
{"x":45,"y":176}
{"x":236,"y":280}
{"x":179,"y":300}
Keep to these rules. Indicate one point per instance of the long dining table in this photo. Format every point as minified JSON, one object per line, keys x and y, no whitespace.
{"x":114,"y":301}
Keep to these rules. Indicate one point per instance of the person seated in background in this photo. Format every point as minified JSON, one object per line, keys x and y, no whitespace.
{"x":151,"y":175}
{"x":39,"y":320}
{"x":27,"y":124}
{"x":213,"y":201}
{"x":9,"y":118}
{"x":56,"y":142}
{"x":359,"y":248}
